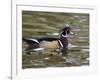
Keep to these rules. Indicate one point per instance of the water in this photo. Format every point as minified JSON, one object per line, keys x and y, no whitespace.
{"x":42,"y":24}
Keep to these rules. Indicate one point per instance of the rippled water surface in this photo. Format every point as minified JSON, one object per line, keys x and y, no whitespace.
{"x":47,"y":24}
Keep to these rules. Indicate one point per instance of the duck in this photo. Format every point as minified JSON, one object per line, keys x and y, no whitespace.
{"x":61,"y":42}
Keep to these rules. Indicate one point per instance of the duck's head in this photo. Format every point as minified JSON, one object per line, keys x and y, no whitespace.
{"x":66,"y":32}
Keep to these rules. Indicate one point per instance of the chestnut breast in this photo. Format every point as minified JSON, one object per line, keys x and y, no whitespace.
{"x":63,"y":41}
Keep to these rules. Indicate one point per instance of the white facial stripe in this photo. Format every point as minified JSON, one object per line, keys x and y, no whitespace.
{"x":60,"y":43}
{"x":64,"y":35}
{"x":34,"y":40}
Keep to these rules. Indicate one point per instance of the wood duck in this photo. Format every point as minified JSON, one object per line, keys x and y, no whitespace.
{"x":51,"y":43}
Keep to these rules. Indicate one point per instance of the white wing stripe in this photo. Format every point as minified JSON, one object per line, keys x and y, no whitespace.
{"x":34,"y":40}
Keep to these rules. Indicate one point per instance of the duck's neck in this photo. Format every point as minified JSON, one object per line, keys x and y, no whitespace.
{"x":63,"y":42}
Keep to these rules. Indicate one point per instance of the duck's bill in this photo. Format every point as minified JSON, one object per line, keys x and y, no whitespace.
{"x":71,"y":35}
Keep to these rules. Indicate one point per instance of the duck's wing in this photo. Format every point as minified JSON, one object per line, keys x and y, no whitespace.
{"x":32,"y":43}
{"x":36,"y":43}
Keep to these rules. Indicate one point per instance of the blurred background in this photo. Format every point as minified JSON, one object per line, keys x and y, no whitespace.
{"x":48,"y":24}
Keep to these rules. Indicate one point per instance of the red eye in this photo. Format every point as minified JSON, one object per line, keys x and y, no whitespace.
{"x":64,"y":33}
